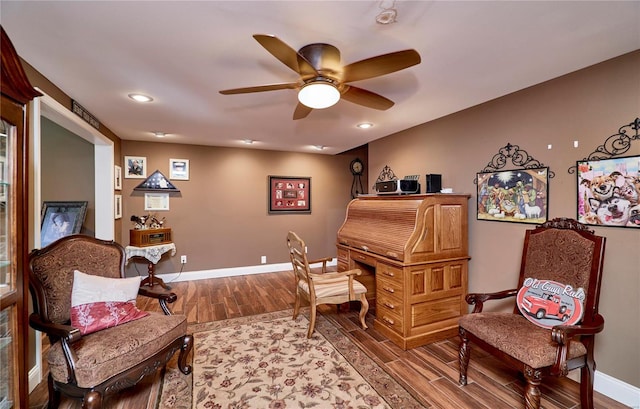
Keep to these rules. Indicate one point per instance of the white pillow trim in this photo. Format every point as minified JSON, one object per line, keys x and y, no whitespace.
{"x":89,"y":289}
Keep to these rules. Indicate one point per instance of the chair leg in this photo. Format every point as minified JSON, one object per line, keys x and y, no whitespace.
{"x":92,"y":400}
{"x":586,"y":386}
{"x":532,"y":390}
{"x":185,"y":349}
{"x":312,"y":319}
{"x":54,"y":394}
{"x":296,"y":305}
{"x":364,"y":307}
{"x":464,"y":353}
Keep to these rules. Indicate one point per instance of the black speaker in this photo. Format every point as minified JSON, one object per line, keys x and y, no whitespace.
{"x":434,"y":183}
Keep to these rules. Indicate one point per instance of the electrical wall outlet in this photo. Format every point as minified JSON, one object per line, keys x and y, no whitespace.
{"x":263,"y":259}
{"x":183,"y":259}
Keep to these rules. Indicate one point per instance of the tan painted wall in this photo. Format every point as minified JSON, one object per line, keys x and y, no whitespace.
{"x":64,"y":156}
{"x":587,"y":106}
{"x":220,"y":218}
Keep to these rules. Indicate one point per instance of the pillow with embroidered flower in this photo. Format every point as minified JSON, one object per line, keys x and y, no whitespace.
{"x":98,"y":302}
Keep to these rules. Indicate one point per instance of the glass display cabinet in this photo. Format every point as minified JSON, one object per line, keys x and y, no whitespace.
{"x":8,"y":330}
{"x":16,"y":93}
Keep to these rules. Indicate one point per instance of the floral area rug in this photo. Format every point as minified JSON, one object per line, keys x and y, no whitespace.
{"x":266,"y":361}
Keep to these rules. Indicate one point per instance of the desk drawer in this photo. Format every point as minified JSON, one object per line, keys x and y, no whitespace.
{"x":358,"y":257}
{"x":389,"y":287}
{"x":389,"y":272}
{"x":390,"y":317}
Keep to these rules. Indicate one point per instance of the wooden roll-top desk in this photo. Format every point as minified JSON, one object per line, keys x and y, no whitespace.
{"x":413,"y":252}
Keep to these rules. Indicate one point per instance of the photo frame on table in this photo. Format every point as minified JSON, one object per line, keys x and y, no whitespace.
{"x":518,"y":196}
{"x":117,"y":177}
{"x":179,"y":169}
{"x":117,"y":207}
{"x":135,"y":167}
{"x":156,"y":201}
{"x":60,"y":219}
{"x":609,"y":192}
{"x":288,"y":194}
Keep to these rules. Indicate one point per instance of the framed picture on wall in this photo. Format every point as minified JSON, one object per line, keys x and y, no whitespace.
{"x":609,"y":191}
{"x":117,"y":177}
{"x":156,"y":201}
{"x":60,"y":219}
{"x":117,"y":209}
{"x":289,"y":194}
{"x":519,"y":196}
{"x":135,"y":167}
{"x":179,"y":169}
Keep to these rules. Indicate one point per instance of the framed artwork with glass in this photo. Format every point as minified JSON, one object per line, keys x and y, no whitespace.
{"x":519,"y":196}
{"x":60,"y":219}
{"x":288,"y":194}
{"x":609,"y":192}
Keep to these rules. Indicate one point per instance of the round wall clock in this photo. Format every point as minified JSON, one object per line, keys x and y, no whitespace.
{"x":357,"y":167}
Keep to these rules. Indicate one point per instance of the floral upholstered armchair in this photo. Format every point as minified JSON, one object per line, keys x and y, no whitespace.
{"x":100,"y":341}
{"x":552,"y":328}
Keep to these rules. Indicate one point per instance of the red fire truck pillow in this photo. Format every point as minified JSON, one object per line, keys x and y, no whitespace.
{"x":548,"y":303}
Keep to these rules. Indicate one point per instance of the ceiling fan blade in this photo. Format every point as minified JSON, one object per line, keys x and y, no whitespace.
{"x":259,"y":88}
{"x":380,"y":65}
{"x":301,"y":111}
{"x":367,"y":98}
{"x":287,"y":55}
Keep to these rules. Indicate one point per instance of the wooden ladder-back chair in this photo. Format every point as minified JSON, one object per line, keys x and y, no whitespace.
{"x":84,"y":364}
{"x":561,"y":258}
{"x":325,"y":287}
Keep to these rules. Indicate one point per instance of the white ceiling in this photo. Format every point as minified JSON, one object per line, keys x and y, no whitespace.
{"x":183,"y":52}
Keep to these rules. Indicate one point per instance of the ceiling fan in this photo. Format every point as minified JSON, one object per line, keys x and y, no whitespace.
{"x":323,"y":80}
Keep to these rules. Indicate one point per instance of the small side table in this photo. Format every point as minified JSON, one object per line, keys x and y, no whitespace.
{"x":152,"y":254}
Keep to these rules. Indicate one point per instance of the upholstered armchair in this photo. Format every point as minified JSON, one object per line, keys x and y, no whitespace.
{"x":552,"y":328}
{"x":324,"y":287}
{"x":100,"y":342}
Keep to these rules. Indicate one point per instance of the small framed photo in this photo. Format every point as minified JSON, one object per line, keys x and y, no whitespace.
{"x":179,"y":169}
{"x":156,"y":201}
{"x":289,"y":194}
{"x":117,"y":175}
{"x":117,"y":207}
{"x":136,"y":167}
{"x":60,"y":219}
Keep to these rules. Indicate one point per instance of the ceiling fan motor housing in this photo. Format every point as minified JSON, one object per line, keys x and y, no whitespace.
{"x":325,"y":58}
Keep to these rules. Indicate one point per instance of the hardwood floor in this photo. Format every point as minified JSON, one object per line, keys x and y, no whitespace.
{"x":430,"y":372}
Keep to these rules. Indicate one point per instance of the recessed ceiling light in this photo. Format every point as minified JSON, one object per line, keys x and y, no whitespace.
{"x":160,"y":134}
{"x":318,"y":147}
{"x":365,"y":125}
{"x":248,"y":141}
{"x":140,"y":97}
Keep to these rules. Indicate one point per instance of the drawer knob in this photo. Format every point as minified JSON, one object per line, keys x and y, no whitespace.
{"x":388,"y":320}
{"x":389,"y":273}
{"x":389,"y":305}
{"x":389,"y":290}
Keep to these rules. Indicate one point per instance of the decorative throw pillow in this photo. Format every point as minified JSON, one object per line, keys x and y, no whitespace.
{"x":548,"y":303}
{"x":100,"y":302}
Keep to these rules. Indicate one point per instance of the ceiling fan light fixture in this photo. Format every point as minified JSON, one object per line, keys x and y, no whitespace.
{"x":319,"y":94}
